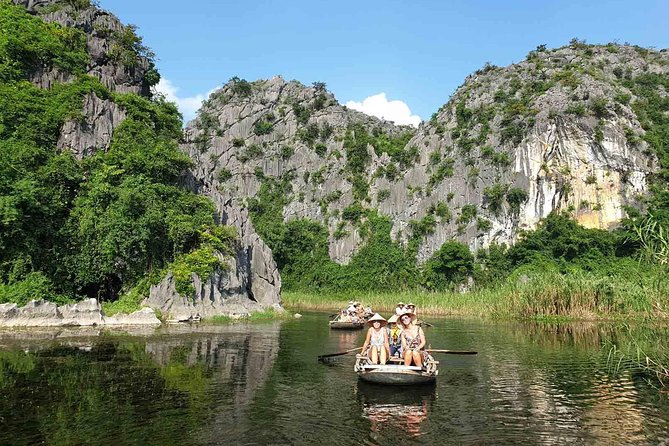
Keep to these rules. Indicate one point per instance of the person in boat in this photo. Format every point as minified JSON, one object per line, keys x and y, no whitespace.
{"x":411,"y":308}
{"x":376,"y":343}
{"x":399,"y":309}
{"x":368,"y":312}
{"x":413,"y":339}
{"x":394,"y":341}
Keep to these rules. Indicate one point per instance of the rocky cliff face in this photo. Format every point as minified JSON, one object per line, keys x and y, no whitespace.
{"x":117,"y":59}
{"x":251,"y":133}
{"x":120,"y":61}
{"x":554,"y":132}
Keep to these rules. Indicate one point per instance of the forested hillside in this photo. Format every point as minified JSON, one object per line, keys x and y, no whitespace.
{"x":555,"y":164}
{"x":92,"y":196}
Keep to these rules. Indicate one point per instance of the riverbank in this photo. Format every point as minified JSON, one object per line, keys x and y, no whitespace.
{"x":572,"y":296}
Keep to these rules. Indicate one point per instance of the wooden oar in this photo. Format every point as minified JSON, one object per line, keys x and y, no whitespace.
{"x":321,"y":357}
{"x":451,"y":352}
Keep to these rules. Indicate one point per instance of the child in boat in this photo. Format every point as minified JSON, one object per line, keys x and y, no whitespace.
{"x":394,"y":340}
{"x":413,"y":339}
{"x":376,"y":340}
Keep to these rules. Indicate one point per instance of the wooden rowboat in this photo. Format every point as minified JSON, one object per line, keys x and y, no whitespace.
{"x":346,"y":325}
{"x":396,"y":374}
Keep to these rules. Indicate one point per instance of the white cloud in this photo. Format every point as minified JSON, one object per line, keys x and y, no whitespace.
{"x":378,"y":105}
{"x":187,"y":106}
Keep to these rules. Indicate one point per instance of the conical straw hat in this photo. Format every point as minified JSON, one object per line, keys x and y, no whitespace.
{"x":377,"y":317}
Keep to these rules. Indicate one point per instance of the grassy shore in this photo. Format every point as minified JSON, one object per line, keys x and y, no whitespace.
{"x":259,"y":316}
{"x":574,"y":296}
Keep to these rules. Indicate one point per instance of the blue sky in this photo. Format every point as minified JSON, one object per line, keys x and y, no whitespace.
{"x":416,"y":52}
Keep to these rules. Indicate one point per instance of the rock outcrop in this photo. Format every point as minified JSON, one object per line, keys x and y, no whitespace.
{"x":113,"y":61}
{"x":84,"y":313}
{"x":233,"y":153}
{"x":223,"y":293}
{"x":556,"y":132}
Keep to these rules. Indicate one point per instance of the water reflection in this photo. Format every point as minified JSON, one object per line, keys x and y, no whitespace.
{"x":346,"y":339}
{"x":395,"y":411}
{"x":180,"y":385}
{"x":261,"y":384}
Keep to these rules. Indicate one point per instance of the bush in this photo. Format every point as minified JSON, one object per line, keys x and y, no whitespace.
{"x":262,"y":127}
{"x":467,"y":214}
{"x":240,"y":87}
{"x":224,"y":175}
{"x":516,"y":197}
{"x":383,"y":195}
{"x":493,"y":196}
{"x":561,"y":238}
{"x":35,"y":286}
{"x":287,"y":152}
{"x":451,"y":264}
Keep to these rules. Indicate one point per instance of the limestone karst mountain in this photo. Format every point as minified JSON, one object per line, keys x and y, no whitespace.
{"x":555,"y":132}
{"x":573,"y":129}
{"x":116,"y":72}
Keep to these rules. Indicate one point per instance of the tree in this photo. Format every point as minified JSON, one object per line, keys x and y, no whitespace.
{"x":451,"y":264}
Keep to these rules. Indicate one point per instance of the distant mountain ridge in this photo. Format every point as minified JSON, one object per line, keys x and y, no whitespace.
{"x":556,"y":132}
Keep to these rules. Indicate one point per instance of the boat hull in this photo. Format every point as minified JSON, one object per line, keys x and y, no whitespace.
{"x":346,"y":325}
{"x":397,"y":379}
{"x":395,"y":374}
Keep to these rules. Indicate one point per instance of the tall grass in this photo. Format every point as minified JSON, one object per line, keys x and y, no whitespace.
{"x":641,"y":348}
{"x":259,"y":316}
{"x":579,"y":295}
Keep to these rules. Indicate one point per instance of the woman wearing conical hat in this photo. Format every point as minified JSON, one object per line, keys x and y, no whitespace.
{"x":376,"y":340}
{"x":413,"y":339}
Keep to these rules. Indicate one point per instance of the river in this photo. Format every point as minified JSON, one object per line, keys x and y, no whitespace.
{"x":260,"y":384}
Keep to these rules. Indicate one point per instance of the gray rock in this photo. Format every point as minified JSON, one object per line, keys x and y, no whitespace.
{"x":584,"y":165}
{"x":86,"y":312}
{"x":40,"y":313}
{"x":145,"y":316}
{"x":223,"y":293}
{"x":92,"y":133}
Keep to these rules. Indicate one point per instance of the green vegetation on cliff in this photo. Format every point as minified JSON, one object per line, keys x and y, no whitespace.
{"x":489,"y":116}
{"x":95,"y":227}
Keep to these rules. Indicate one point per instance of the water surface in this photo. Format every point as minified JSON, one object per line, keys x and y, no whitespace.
{"x":261,"y":384}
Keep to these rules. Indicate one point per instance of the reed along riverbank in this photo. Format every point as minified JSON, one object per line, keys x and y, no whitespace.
{"x":579,"y":295}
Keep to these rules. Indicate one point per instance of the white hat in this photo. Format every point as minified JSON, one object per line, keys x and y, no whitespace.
{"x":407,"y":313}
{"x":377,"y":317}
